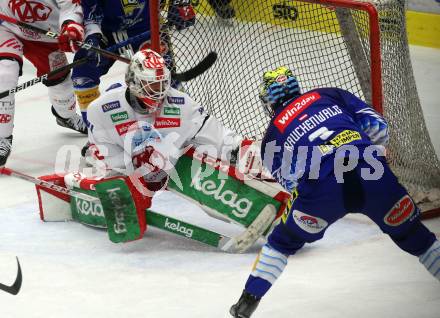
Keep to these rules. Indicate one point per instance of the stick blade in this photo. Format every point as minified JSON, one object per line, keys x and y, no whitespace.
{"x":197,"y":70}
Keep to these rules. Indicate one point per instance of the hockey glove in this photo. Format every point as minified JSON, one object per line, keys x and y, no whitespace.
{"x":181,"y":14}
{"x":71,"y":33}
{"x":96,"y":40}
{"x":374,"y":125}
{"x":154,"y":178}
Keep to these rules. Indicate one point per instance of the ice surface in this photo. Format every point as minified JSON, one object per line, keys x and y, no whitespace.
{"x":71,"y":270}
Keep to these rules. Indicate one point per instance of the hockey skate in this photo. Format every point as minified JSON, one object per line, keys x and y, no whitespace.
{"x":245,"y":306}
{"x":75,"y":122}
{"x":222,"y":8}
{"x":5,"y":149}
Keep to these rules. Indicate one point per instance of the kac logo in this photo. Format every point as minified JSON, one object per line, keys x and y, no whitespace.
{"x":29,"y":11}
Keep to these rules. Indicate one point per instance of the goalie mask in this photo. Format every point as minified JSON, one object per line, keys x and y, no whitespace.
{"x":277,"y":87}
{"x":148,"y":79}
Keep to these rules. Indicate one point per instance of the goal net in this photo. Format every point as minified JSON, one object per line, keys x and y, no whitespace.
{"x":360,"y":46}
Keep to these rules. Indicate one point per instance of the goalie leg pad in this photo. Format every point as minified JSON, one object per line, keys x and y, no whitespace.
{"x":53,"y":206}
{"x":124,"y":211}
{"x":255,"y":230}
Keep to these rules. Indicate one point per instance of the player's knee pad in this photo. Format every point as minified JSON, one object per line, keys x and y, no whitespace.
{"x":62,"y":98}
{"x":415,"y":239}
{"x":9,"y":70}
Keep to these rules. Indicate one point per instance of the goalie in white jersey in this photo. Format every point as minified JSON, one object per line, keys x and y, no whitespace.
{"x":45,"y":53}
{"x":146,"y":110}
{"x":140,"y":129}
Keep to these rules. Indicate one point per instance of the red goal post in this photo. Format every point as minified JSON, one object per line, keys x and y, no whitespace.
{"x":358,"y":45}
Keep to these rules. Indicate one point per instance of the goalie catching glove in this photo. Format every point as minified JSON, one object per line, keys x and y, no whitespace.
{"x":152,"y":157}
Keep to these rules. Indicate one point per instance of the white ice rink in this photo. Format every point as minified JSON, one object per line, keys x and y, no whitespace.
{"x":70,"y":270}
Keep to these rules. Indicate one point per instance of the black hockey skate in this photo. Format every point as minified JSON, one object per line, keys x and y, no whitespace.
{"x":5,"y":149}
{"x":245,"y":306}
{"x":222,"y":8}
{"x":75,"y":122}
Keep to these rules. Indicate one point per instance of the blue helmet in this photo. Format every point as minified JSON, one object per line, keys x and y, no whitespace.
{"x":277,"y":87}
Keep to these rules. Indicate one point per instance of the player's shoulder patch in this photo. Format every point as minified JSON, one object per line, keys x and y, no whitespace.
{"x":113,"y":86}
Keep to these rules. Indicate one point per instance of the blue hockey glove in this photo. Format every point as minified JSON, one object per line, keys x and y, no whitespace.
{"x":96,"y":40}
{"x":374,"y":125}
{"x":181,"y":14}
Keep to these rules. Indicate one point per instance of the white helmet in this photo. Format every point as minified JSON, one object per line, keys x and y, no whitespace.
{"x":148,"y":79}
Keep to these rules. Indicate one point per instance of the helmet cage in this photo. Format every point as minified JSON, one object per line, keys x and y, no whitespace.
{"x":281,"y":79}
{"x":148,"y":79}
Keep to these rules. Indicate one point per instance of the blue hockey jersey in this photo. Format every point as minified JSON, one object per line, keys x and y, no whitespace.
{"x":305,"y":132}
{"x":115,"y":15}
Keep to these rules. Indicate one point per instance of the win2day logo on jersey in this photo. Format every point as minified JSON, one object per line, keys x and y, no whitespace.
{"x":163,"y":122}
{"x":294,"y":109}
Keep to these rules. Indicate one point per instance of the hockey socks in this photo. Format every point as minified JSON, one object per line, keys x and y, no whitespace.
{"x":431,"y":259}
{"x":267,"y":268}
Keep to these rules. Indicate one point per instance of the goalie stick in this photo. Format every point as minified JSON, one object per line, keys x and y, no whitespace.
{"x":187,"y":75}
{"x":155,"y":219}
{"x":68,"y":66}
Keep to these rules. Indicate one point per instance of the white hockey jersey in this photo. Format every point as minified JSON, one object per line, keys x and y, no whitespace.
{"x":44,"y":14}
{"x":116,"y":129}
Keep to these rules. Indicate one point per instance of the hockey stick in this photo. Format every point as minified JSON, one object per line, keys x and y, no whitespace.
{"x":188,"y":75}
{"x":197,"y":70}
{"x":155,"y":219}
{"x":54,"y":35}
{"x":47,"y":185}
{"x":41,"y":78}
{"x":69,"y":66}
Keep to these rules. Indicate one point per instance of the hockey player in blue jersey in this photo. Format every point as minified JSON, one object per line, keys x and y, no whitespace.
{"x":326,"y":148}
{"x":112,"y":21}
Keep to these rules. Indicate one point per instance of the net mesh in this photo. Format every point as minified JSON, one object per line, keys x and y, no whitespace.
{"x":326,"y":46}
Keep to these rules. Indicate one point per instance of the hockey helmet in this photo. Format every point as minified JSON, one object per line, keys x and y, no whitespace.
{"x":278,"y":86}
{"x":148,"y":79}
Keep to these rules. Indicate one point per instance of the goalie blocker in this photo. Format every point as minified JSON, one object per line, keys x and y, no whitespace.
{"x":221,"y":190}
